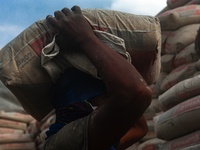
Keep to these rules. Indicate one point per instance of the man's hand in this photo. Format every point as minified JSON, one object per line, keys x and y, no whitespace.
{"x":72,"y":27}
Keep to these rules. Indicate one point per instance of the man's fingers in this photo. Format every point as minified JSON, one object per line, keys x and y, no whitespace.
{"x":59,"y":14}
{"x":66,"y":11}
{"x":53,"y":21}
{"x":76,"y":9}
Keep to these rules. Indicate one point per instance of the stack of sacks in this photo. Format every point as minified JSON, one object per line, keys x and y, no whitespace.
{"x":12,"y":131}
{"x":41,"y":129}
{"x":178,"y":86}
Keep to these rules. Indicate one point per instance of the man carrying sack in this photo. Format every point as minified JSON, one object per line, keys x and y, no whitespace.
{"x":103,"y":114}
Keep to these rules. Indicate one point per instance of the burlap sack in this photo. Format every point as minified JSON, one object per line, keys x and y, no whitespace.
{"x":180,"y":92}
{"x":179,"y":17}
{"x":179,"y":74}
{"x":152,"y":144}
{"x":18,"y":146}
{"x":15,"y":138}
{"x":21,"y":71}
{"x":8,"y":101}
{"x":183,"y":37}
{"x":176,"y":3}
{"x":179,"y":120}
{"x":170,"y":61}
{"x":16,"y":116}
{"x":186,"y":142}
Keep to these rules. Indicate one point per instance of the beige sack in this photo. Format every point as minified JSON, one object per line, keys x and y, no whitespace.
{"x":157,"y":88}
{"x":33,"y":129}
{"x":179,"y":120}
{"x":18,"y":146}
{"x":179,"y":17}
{"x":179,"y":93}
{"x":163,"y":10}
{"x":151,"y":132}
{"x":16,"y":116}
{"x":186,"y":142}
{"x":176,"y":3}
{"x":8,"y":101}
{"x":152,"y":144}
{"x":21,"y":71}
{"x":164,"y":36}
{"x":170,"y":61}
{"x":193,"y":2}
{"x":10,"y":131}
{"x":179,"y":74}
{"x":13,"y":124}
{"x":14,"y":138}
{"x":183,"y":37}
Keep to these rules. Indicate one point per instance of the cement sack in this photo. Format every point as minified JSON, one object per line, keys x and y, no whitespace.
{"x":157,"y":88}
{"x":21,"y":70}
{"x":33,"y":129}
{"x":179,"y":74}
{"x":8,"y":101}
{"x":183,"y":37}
{"x":163,"y":10}
{"x":154,"y":106}
{"x":179,"y":17}
{"x":10,"y":131}
{"x":183,"y":143}
{"x":41,"y":137}
{"x":170,"y":61}
{"x":164,"y":36}
{"x":16,"y":116}
{"x":179,"y":120}
{"x":13,"y":124}
{"x":151,"y":132}
{"x":176,"y":3}
{"x":152,"y":144}
{"x":194,"y":2}
{"x":18,"y":146}
{"x":149,"y":114}
{"x":193,"y":147}
{"x":180,"y":92}
{"x":152,"y":110}
{"x":15,"y":138}
{"x":48,"y":122}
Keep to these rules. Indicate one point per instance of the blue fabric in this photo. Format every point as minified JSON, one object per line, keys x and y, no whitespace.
{"x":74,"y":86}
{"x":69,"y":95}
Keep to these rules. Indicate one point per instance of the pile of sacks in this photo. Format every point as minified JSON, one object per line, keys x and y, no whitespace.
{"x":13,"y":123}
{"x":37,"y":130}
{"x":176,"y":102}
{"x":19,"y":130}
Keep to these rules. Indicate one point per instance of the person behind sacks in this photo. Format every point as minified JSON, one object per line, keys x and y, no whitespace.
{"x":102,"y":114}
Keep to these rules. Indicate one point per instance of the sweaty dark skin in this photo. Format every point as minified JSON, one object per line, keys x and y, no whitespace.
{"x":120,"y":110}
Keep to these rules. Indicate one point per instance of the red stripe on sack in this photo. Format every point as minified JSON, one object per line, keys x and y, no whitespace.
{"x":41,"y":42}
{"x":192,"y":139}
{"x":174,"y":1}
{"x":187,"y":106}
{"x":149,"y":147}
{"x":99,"y":28}
{"x":197,"y":12}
